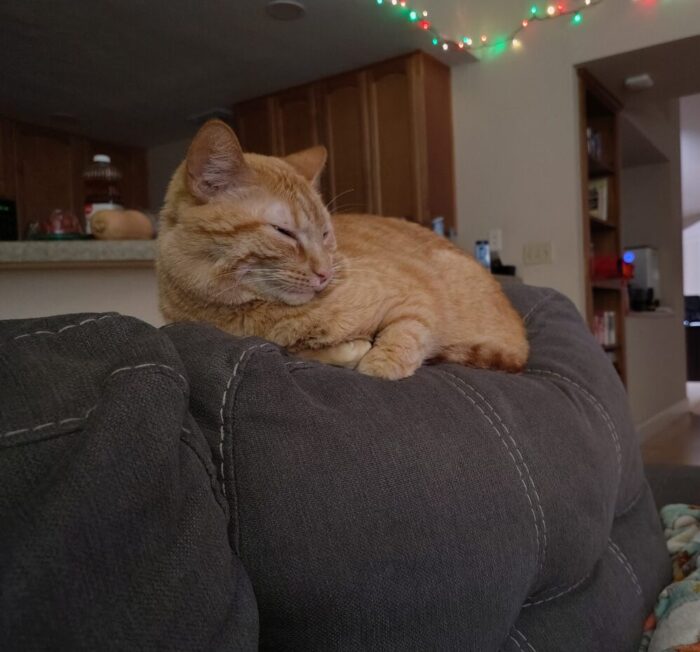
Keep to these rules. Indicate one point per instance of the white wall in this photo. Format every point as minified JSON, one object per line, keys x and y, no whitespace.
{"x":690,"y":169}
{"x":690,"y":156}
{"x":691,"y":260}
{"x":652,"y":215}
{"x":656,"y":362}
{"x":162,"y":161}
{"x":41,"y":293}
{"x":516,"y":123}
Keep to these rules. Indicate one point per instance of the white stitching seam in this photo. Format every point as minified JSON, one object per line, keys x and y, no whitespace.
{"x":596,"y":404}
{"x":512,"y":457}
{"x":519,"y":633}
{"x":515,"y":640}
{"x":531,"y":313}
{"x":48,"y":424}
{"x":221,"y":413}
{"x":561,"y":593}
{"x":626,"y":510}
{"x":146,"y":365}
{"x":625,"y":564}
{"x":65,"y":328}
{"x":522,"y":461}
{"x":68,"y":420}
{"x":298,"y":365}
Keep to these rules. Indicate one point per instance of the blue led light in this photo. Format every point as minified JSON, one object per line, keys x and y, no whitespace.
{"x":628,"y":257}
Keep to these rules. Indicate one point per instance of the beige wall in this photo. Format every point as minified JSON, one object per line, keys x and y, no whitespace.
{"x":516,"y":124}
{"x":518,"y":167}
{"x":656,"y":364}
{"x":652,"y":215}
{"x":690,"y":169}
{"x":691,"y":260}
{"x":42,"y":293}
{"x":690,"y":156}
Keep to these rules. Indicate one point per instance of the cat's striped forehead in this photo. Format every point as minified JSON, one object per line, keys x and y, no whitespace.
{"x":292,"y":199}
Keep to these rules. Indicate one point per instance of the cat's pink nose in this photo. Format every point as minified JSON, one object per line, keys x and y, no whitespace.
{"x":321,"y":278}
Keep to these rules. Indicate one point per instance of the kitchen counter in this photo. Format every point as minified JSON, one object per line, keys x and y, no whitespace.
{"x":75,"y":254}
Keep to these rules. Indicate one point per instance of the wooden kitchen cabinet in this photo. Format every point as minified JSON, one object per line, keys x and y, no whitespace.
{"x":8,"y":170}
{"x":296,"y":119}
{"x":255,"y":126}
{"x":395,"y":148}
{"x":49,"y":168}
{"x":346,"y":134}
{"x":387,"y":128}
{"x":42,"y":169}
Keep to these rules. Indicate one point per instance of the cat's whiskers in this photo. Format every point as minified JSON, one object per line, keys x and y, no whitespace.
{"x":338,"y":196}
{"x":337,"y":209}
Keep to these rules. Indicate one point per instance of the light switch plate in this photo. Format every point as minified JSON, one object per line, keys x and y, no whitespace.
{"x":496,"y":240}
{"x":537,"y":253}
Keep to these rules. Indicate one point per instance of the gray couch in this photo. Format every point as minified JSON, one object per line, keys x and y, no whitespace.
{"x":184,"y":489}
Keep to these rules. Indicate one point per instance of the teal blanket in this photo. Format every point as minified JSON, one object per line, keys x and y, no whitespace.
{"x":674,"y":626}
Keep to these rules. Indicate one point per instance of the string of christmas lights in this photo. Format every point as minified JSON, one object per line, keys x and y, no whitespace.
{"x":468,"y":44}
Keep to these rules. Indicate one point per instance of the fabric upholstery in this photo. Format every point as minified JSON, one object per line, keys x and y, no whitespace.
{"x":113,"y":527}
{"x":459,"y":509}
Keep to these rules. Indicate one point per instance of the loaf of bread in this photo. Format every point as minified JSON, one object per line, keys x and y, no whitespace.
{"x":121,"y":225}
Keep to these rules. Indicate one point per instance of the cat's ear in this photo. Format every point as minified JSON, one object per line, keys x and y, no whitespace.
{"x":215,"y":162}
{"x":309,"y":162}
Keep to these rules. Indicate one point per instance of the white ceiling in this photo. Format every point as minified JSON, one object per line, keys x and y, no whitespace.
{"x":673,"y":66}
{"x":133,"y":71}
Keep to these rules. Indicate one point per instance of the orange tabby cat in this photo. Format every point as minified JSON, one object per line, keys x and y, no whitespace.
{"x":246,"y":244}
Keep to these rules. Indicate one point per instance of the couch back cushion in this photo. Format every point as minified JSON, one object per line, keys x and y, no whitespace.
{"x":113,"y":528}
{"x":456,"y":509}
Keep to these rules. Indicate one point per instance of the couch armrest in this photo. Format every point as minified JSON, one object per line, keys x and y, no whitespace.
{"x":671,"y":483}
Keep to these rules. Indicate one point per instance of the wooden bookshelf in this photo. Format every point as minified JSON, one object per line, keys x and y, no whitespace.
{"x":599,"y":114}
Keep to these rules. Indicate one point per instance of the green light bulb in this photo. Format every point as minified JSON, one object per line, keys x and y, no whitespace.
{"x":379,"y":2}
{"x":533,"y":9}
{"x":435,"y":41}
{"x":413,"y":15}
{"x":576,"y":20}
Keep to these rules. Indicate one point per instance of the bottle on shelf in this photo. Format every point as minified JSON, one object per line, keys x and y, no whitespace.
{"x":101,"y":187}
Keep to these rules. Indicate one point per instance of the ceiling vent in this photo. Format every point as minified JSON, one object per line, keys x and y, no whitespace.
{"x":285,"y":9}
{"x":641,"y":82}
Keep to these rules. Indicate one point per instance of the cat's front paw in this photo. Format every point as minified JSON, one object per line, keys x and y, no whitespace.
{"x":380,"y":364}
{"x":347,"y":354}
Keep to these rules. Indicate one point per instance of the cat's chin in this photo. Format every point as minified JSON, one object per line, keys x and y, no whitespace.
{"x":297,"y":298}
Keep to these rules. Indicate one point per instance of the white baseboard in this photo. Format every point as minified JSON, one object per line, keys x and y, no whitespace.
{"x":663,"y":419}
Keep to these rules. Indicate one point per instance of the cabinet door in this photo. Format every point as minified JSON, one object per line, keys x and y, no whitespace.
{"x":345,"y":118}
{"x":438,"y":141}
{"x":49,"y":168}
{"x":296,"y":119}
{"x":255,"y":126}
{"x":395,"y":164}
{"x":8,"y":165}
{"x":131,"y":162}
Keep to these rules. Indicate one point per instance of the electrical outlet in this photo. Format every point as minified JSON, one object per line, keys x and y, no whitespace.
{"x":496,"y":240}
{"x":537,"y":253}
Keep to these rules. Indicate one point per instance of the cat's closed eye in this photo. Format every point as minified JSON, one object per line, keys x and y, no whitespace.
{"x":285,"y":232}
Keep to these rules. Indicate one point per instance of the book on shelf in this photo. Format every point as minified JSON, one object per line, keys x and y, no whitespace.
{"x":598,"y":199}
{"x":605,"y":327}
